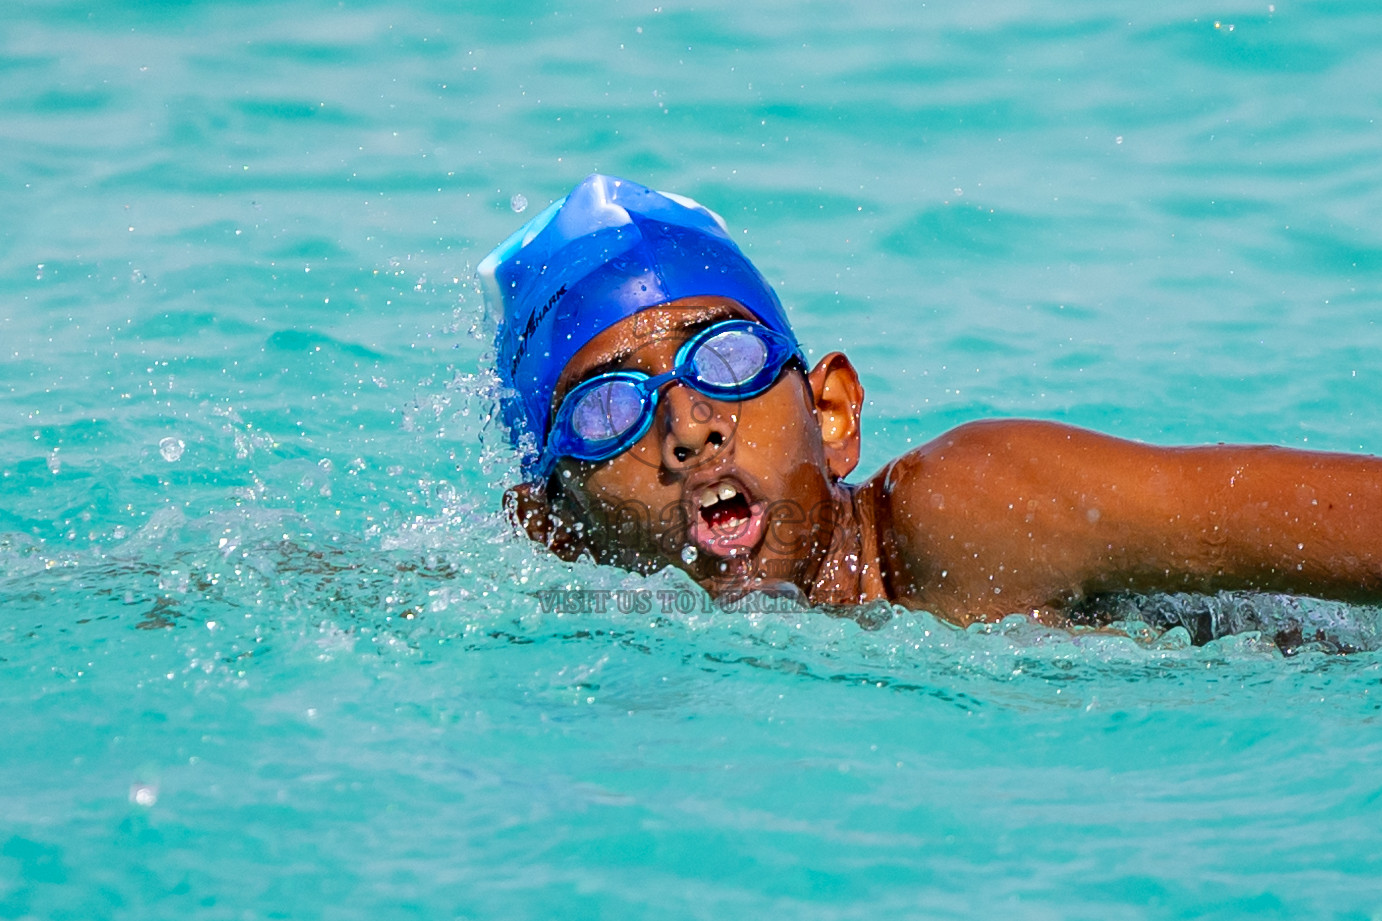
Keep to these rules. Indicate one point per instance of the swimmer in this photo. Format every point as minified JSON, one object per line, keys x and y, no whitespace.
{"x":667,"y":416}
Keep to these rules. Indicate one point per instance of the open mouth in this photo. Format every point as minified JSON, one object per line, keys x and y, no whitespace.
{"x":724,"y":509}
{"x":727,"y":522}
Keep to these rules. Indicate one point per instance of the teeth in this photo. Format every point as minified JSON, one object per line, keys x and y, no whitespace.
{"x":711,"y":494}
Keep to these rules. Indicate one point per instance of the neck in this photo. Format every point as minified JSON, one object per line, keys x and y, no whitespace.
{"x":850,"y":572}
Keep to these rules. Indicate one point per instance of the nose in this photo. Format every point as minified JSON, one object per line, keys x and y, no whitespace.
{"x":694,"y":427}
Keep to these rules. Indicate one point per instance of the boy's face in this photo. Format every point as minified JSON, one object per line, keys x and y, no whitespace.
{"x":740,"y":494}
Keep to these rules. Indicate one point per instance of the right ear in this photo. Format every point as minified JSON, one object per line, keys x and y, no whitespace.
{"x":531,"y":510}
{"x":839,"y":399}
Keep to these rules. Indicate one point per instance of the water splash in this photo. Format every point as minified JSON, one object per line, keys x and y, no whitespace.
{"x":171,"y":448}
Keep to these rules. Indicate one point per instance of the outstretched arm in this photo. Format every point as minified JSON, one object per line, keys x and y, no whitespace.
{"x":1006,"y":516}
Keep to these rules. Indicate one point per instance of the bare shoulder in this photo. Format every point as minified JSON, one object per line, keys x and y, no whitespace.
{"x":1001,"y":515}
{"x":960,"y":468}
{"x":1000,"y":449}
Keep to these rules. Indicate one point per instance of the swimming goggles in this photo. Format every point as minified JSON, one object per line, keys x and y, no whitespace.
{"x":605,"y":415}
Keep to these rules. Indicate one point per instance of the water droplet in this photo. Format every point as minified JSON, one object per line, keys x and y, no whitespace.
{"x":688,"y":555}
{"x":519,"y":203}
{"x":171,"y":448}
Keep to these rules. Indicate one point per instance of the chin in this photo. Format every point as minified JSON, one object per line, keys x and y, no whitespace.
{"x":730,"y":578}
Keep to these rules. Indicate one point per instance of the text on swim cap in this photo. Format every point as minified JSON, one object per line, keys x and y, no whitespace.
{"x":531,"y":325}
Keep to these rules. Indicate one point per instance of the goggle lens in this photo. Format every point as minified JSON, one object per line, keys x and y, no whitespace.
{"x":730,"y":359}
{"x":607,"y":410}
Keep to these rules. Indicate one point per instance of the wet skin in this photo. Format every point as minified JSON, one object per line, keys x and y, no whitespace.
{"x":643,"y":509}
{"x":991,"y":518}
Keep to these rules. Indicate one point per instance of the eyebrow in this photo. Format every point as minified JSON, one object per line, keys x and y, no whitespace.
{"x":614,"y":363}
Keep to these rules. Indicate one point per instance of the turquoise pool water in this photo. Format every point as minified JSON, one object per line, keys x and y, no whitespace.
{"x":267,"y":649}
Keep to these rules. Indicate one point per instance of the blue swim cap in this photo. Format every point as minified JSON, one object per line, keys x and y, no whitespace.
{"x":604,"y":252}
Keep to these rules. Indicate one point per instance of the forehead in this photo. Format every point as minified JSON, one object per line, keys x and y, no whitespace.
{"x":668,"y":322}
